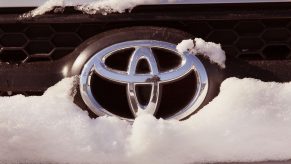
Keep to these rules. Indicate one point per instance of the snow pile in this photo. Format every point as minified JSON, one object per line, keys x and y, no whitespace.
{"x":46,"y":7}
{"x":111,"y":6}
{"x":198,"y":46}
{"x":249,"y":121}
{"x":93,"y":7}
{"x":51,"y":129}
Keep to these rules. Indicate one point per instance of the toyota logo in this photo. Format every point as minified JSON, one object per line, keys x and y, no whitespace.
{"x":155,"y":78}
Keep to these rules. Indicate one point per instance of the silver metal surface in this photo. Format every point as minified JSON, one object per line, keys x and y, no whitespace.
{"x":35,"y":3}
{"x":155,"y":78}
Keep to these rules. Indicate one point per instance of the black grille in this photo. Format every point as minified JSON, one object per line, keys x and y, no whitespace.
{"x":248,"y":39}
{"x":36,"y":42}
{"x":265,"y":39}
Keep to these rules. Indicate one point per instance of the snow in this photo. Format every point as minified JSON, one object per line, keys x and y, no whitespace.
{"x":46,"y":7}
{"x":110,"y":6}
{"x":210,"y":50}
{"x":250,"y":120}
{"x":93,"y":7}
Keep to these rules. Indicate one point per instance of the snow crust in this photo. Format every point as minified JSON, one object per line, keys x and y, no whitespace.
{"x":46,"y":7}
{"x":110,"y":6}
{"x":250,"y":120}
{"x":210,"y":50}
{"x":93,"y":6}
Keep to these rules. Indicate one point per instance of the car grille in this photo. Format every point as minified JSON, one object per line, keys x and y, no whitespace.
{"x":265,"y":39}
{"x":252,"y":40}
{"x":36,"y":42}
{"x":26,"y":43}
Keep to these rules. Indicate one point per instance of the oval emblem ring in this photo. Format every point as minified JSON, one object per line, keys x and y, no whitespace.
{"x":155,"y":78}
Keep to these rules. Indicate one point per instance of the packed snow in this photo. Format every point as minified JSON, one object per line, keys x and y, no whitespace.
{"x":110,"y":6}
{"x":46,"y":7}
{"x":93,"y":6}
{"x":210,"y":50}
{"x":250,"y":120}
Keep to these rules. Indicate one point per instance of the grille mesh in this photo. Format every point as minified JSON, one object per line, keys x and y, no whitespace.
{"x":36,"y":42}
{"x":249,"y":39}
{"x":243,"y":39}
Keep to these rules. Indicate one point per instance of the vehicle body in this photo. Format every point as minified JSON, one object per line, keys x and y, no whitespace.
{"x":235,"y":26}
{"x":36,"y":53}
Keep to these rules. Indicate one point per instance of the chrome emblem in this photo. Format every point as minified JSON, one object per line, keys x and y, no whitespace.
{"x":155,"y":78}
